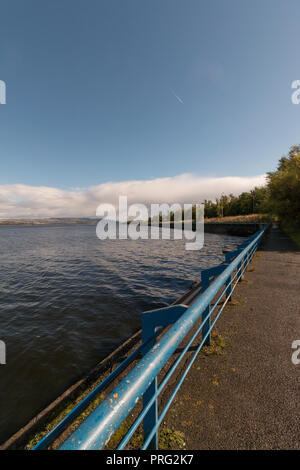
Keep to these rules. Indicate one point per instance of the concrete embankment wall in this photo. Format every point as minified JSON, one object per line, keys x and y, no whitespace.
{"x":221,"y":228}
{"x":240,"y":230}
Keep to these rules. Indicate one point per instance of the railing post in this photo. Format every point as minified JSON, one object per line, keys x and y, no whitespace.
{"x":248,"y":260}
{"x":228,"y":258}
{"x":206,"y":326}
{"x":150,"y":420}
{"x":243,"y":269}
{"x":240,"y":271}
{"x":228,"y":289}
{"x":205,"y":277}
{"x":150,"y":321}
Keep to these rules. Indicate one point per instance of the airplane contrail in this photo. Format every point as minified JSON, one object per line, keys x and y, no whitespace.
{"x":177,"y":97}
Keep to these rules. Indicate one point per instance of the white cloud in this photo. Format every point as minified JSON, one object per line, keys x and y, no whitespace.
{"x":19,"y":200}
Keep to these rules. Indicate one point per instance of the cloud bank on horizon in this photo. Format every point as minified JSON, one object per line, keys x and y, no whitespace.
{"x":24,"y":201}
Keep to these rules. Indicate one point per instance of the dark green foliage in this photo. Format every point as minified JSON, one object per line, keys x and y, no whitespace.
{"x":284,"y":188}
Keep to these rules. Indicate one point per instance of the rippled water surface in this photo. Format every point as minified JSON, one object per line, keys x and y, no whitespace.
{"x":67,"y":299}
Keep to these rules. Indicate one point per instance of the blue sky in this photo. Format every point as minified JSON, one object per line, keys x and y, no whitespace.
{"x":92,"y":85}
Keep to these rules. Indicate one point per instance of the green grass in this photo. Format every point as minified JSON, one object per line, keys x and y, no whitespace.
{"x":168,"y":439}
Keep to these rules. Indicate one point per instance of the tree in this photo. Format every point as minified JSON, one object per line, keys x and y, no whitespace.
{"x":260,"y":200}
{"x":284,"y":187}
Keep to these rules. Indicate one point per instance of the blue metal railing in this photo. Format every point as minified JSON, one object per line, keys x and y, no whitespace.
{"x":141,"y":382}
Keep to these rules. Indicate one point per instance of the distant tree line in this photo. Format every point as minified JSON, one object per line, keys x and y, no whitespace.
{"x":253,"y":202}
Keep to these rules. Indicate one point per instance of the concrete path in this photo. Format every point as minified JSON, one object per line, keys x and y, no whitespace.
{"x":247,"y":397}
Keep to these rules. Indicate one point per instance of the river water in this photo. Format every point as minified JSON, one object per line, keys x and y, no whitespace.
{"x":67,"y":299}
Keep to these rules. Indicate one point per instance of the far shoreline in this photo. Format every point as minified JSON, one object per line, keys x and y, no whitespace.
{"x":242,"y":226}
{"x":66,"y":221}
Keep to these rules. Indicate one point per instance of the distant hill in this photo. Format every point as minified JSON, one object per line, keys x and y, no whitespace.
{"x":51,"y":221}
